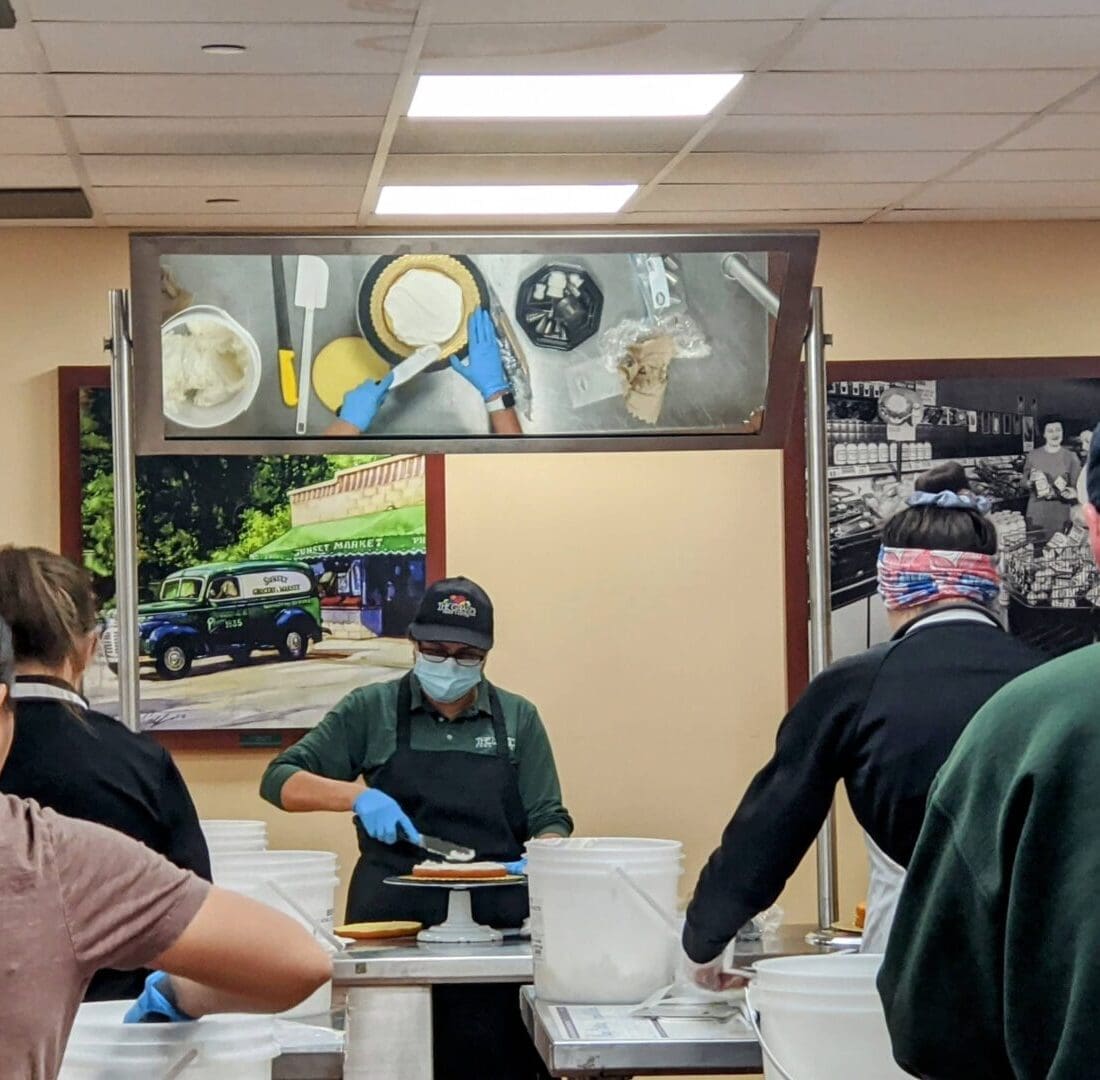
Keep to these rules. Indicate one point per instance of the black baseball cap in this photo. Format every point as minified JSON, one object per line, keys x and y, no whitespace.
{"x":1092,"y":479}
{"x":455,"y":609}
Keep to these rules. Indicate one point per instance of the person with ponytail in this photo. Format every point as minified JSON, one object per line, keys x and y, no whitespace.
{"x":70,"y":758}
{"x":883,"y":722}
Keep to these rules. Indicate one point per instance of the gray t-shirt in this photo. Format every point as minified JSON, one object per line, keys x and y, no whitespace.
{"x":74,"y":897}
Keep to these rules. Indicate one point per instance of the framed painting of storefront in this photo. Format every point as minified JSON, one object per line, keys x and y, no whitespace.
{"x":270,"y":585}
{"x":1021,"y":429}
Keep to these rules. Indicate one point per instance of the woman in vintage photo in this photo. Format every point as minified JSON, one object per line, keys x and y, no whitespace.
{"x":1051,"y":472}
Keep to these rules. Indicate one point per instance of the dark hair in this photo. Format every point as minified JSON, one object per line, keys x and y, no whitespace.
{"x":934,"y":528}
{"x":47,"y":601}
{"x":7,"y":661}
{"x":1050,"y":419}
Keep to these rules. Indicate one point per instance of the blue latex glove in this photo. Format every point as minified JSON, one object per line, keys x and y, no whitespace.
{"x":154,"y":1006}
{"x":483,"y":367}
{"x":361,"y":405}
{"x":518,"y":868}
{"x":382,"y":817}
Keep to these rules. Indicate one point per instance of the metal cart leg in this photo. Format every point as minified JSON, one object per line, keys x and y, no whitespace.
{"x":389,"y":1033}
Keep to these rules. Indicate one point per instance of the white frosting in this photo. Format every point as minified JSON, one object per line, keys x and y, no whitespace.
{"x":205,"y":367}
{"x":424,"y":307}
{"x":458,"y":869}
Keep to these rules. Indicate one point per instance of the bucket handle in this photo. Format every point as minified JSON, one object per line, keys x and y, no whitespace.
{"x":322,"y":931}
{"x":668,"y":921}
{"x":180,"y":1065}
{"x":751,"y":1016}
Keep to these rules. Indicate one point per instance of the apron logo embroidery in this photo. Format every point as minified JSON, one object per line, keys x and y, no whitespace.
{"x":457,"y":604}
{"x":489,"y":742}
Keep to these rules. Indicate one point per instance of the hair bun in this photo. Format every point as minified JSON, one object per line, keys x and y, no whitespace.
{"x":950,"y":476}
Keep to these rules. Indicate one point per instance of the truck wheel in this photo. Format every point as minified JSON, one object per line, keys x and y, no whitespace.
{"x":173,"y":662}
{"x":240,"y":657}
{"x":294,"y":645}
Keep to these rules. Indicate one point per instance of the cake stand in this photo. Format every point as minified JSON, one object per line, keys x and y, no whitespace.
{"x":459,"y":928}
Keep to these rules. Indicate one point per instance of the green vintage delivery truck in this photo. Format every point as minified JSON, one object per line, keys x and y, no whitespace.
{"x":226,"y":609}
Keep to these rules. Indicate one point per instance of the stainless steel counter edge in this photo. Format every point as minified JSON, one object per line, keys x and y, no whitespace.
{"x":430,"y":964}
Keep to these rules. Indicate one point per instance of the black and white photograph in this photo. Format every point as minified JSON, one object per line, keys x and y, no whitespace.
{"x":1023,"y":443}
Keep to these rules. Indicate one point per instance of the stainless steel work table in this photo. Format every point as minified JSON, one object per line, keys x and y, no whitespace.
{"x":388,"y":989}
{"x":605,"y":1041}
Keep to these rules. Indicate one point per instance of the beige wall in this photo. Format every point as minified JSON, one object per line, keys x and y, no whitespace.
{"x":652,"y":642}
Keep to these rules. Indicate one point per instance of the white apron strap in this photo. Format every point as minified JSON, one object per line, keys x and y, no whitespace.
{"x":883,"y":891}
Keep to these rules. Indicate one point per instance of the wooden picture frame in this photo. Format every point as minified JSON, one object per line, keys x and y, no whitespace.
{"x":71,"y":383}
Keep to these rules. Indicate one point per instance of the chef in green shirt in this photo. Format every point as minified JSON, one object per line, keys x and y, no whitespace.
{"x":445,"y":752}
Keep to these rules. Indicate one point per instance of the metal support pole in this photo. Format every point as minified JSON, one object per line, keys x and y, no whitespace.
{"x":817,"y":507}
{"x":120,"y":345}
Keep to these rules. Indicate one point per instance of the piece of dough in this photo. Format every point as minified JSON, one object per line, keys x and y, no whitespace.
{"x":424,"y":307}
{"x":342,"y":365}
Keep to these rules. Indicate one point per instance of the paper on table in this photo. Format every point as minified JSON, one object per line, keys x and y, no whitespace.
{"x":596,"y":1023}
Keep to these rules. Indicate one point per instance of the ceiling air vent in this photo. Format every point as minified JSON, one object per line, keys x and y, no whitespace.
{"x":20,"y":203}
{"x":7,"y":16}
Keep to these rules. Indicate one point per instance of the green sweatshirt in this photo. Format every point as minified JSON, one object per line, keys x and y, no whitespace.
{"x":360,"y":734}
{"x":993,"y":966}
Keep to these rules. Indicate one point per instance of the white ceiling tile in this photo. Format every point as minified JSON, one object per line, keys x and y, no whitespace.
{"x":542,"y":136}
{"x":946,"y":44}
{"x":276,"y":222}
{"x":225,"y":135}
{"x":1059,"y":131}
{"x":490,"y":12}
{"x":37,"y":170}
{"x":254,"y":170}
{"x":947,"y":9}
{"x":263,"y":200}
{"x":719,"y":197}
{"x":754,"y":217}
{"x":603,"y":48}
{"x":1087,"y":102}
{"x":14,"y":59}
{"x":831,"y":134}
{"x":891,"y":167}
{"x":1008,"y":195}
{"x":226,"y":95}
{"x":1038,"y":213}
{"x":1033,"y":165}
{"x":157,"y":49}
{"x":21,"y":95}
{"x":522,"y":168}
{"x":247,"y":11}
{"x":861,"y":93}
{"x":30,"y":135}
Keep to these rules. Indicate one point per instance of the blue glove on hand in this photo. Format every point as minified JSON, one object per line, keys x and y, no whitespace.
{"x":483,"y":367}
{"x":382,"y":817}
{"x":361,"y":405}
{"x":517,"y":868}
{"x":154,"y":1006}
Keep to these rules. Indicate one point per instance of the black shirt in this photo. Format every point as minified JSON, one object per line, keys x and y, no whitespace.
{"x":883,"y":722}
{"x":86,"y":765}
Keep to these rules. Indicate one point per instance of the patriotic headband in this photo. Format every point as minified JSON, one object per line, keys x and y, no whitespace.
{"x":950,"y":500}
{"x":908,"y":577}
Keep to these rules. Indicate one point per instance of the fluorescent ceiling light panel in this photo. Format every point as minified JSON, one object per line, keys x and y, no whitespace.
{"x":498,"y":200}
{"x":565,"y":96}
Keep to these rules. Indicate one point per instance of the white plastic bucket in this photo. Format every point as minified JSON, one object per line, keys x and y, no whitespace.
{"x":820,"y":1018}
{"x":101,"y":1047}
{"x":307,"y":877}
{"x":228,"y":837}
{"x":595,"y":941}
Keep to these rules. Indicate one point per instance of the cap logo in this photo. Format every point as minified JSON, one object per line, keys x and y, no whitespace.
{"x":457,"y":604}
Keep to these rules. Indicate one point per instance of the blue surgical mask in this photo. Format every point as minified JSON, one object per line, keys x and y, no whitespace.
{"x":447,"y":680}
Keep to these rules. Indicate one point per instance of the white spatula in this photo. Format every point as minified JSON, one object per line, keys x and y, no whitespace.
{"x":310,"y":293}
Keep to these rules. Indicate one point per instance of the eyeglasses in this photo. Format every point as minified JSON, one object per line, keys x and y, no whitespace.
{"x":464,"y":658}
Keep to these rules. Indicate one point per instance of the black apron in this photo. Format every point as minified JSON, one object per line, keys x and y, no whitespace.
{"x":474,"y":800}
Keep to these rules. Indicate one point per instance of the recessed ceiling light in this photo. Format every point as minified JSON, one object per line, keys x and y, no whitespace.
{"x":224,"y":48}
{"x":218,"y":200}
{"x":504,"y":200}
{"x":562,"y":96}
